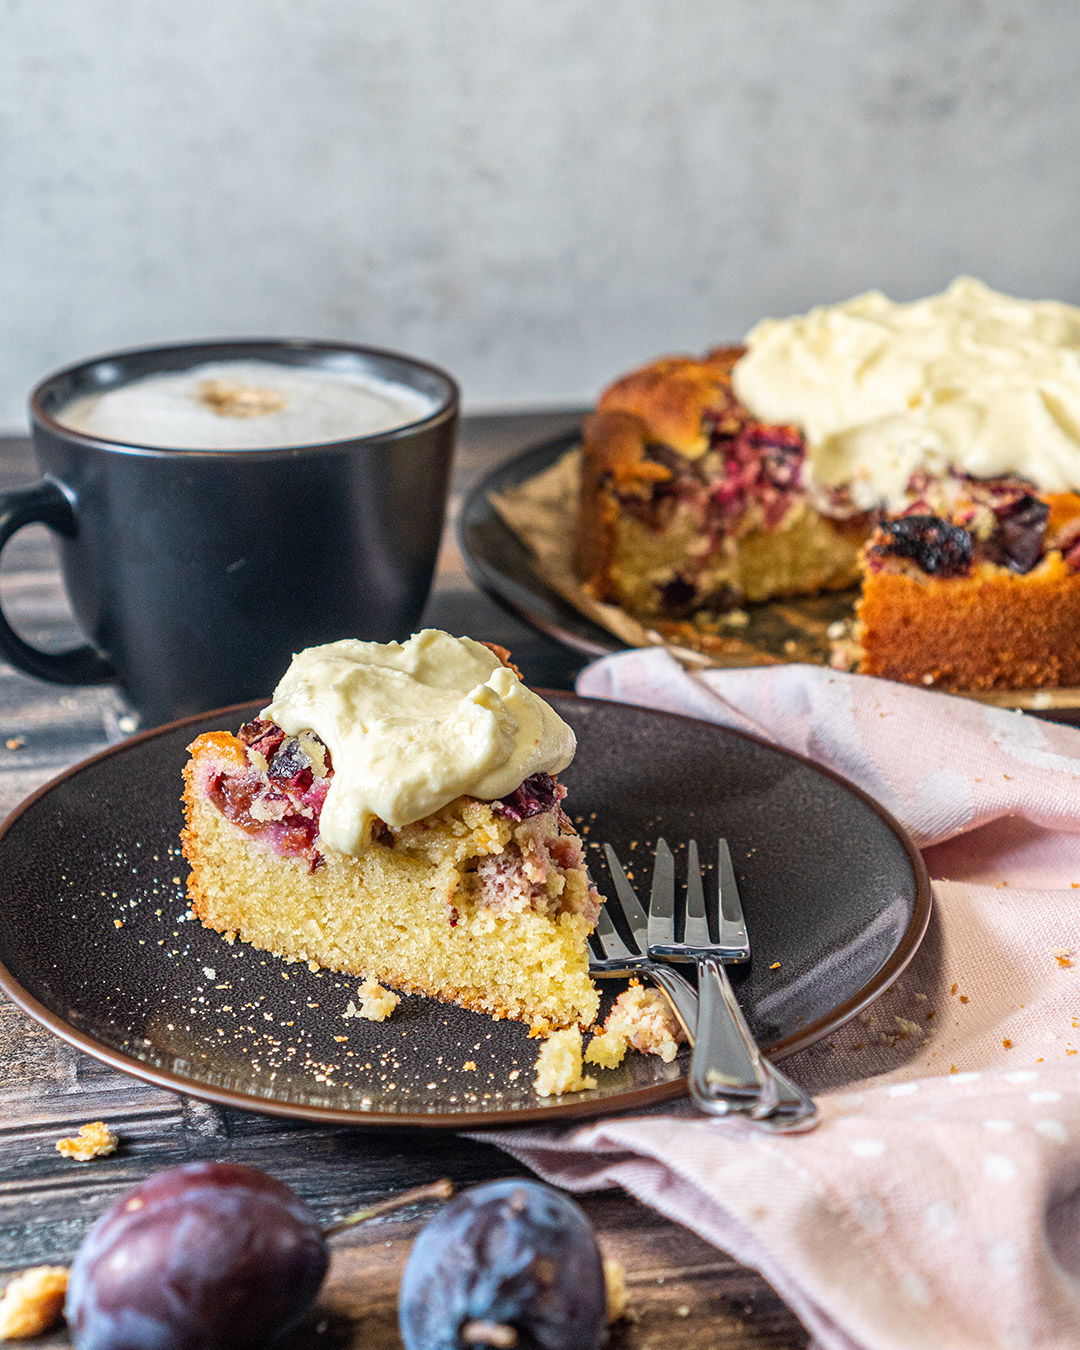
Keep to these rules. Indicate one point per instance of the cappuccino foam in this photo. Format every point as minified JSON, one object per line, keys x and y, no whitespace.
{"x":245,"y":405}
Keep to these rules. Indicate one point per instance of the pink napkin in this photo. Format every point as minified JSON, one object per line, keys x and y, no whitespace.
{"x":938,"y":1203}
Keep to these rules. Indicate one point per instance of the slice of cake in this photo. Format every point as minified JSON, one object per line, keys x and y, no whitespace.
{"x":395,"y":813}
{"x":930,"y":450}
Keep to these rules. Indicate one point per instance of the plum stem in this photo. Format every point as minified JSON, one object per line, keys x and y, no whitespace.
{"x":434,"y":1190}
{"x":494,"y":1334}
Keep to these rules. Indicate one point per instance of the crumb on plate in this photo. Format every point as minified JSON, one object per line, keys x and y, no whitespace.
{"x":559,"y":1065}
{"x":645,"y":1018}
{"x":376,"y":1003}
{"x":607,"y":1049}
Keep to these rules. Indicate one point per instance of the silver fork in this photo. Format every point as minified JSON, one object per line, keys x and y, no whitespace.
{"x":729,"y":1056}
{"x":611,"y":955}
{"x":728,"y":1072}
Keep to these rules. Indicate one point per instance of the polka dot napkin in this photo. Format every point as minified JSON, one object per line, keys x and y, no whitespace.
{"x":938,"y":1203}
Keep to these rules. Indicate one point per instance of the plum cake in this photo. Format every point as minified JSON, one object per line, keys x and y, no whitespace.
{"x":928,"y":452}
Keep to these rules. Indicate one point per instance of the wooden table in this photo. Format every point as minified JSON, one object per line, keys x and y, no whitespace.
{"x":683,"y":1292}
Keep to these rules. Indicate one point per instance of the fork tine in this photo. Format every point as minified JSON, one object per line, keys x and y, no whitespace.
{"x":696,"y":931}
{"x":733,"y":936}
{"x":605,"y":941}
{"x":631,"y":905}
{"x":661,"y":926}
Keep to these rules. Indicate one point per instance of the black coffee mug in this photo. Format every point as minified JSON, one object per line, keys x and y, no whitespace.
{"x":196,"y":574}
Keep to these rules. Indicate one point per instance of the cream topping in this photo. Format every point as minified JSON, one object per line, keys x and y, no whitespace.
{"x":412,"y":725}
{"x":969,"y":378}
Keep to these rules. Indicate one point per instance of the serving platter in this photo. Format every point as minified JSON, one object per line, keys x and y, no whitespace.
{"x":98,"y":944}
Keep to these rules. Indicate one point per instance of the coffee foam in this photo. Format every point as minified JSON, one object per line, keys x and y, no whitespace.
{"x":245,"y":405}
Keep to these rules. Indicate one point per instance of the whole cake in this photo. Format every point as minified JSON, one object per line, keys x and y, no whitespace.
{"x":928,"y":451}
{"x":395,"y":813}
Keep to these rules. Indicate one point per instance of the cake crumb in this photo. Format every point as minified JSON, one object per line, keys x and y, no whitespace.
{"x":645,"y":1019}
{"x":615,"y":1289}
{"x":33,"y":1303}
{"x":1063,"y":956}
{"x":775,"y":965}
{"x":559,"y":1065}
{"x":94,"y":1140}
{"x":607,"y":1049}
{"x":15,"y":742}
{"x":845,"y":654}
{"x":376,"y":1003}
{"x":469,"y":1066}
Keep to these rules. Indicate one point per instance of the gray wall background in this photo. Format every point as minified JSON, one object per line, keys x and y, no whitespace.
{"x":535,"y":193}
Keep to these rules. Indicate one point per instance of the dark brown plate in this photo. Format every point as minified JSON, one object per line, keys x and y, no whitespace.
{"x":502,"y":565}
{"x":94,"y":941}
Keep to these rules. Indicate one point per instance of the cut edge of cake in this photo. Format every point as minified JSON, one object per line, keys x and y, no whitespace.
{"x":410,"y":910}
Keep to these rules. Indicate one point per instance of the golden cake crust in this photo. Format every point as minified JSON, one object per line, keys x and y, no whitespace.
{"x":938,"y":632}
{"x":664,"y":401}
{"x":672,"y":395}
{"x":613,"y":452}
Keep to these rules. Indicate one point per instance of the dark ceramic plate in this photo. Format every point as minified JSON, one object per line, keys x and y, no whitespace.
{"x":95,"y":942}
{"x":501,"y":565}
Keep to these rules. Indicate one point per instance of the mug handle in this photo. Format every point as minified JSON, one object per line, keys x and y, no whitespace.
{"x":46,"y":504}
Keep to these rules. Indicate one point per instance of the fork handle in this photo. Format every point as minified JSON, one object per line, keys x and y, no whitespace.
{"x":717,"y":1083}
{"x":726,"y":1068}
{"x":681,"y":995}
